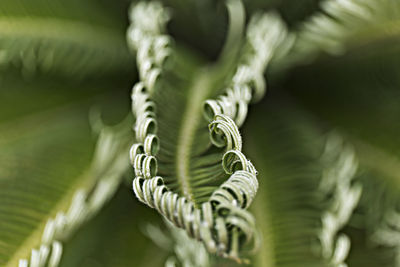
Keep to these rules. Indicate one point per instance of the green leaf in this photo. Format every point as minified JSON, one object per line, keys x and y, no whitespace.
{"x":73,"y":39}
{"x":184,"y":135}
{"x":364,"y":107}
{"x":357,"y":94}
{"x":194,"y":192}
{"x":123,"y":244}
{"x":33,"y":189}
{"x":45,"y":157}
{"x":286,"y":145}
{"x":187,"y":162}
{"x":342,"y":25}
{"x":46,"y":144}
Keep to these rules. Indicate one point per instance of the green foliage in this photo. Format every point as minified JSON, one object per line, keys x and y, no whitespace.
{"x":73,"y":38}
{"x":324,"y":139}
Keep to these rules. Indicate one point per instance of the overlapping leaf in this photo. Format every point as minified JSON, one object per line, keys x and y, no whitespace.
{"x":73,"y":38}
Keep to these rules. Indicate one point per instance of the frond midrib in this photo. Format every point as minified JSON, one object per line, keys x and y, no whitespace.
{"x":34,"y":238}
{"x":23,"y":125}
{"x":62,"y":30}
{"x":262,"y":211}
{"x":191,"y":119}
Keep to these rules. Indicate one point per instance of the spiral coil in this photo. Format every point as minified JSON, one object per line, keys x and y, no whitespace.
{"x":145,"y":36}
{"x":337,"y":179}
{"x":264,"y":35}
{"x":222,"y":223}
{"x":212,"y":223}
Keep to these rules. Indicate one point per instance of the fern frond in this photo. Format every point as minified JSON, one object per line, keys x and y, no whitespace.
{"x":308,"y":190}
{"x":124,"y":243}
{"x":29,"y":192}
{"x":61,"y":40}
{"x":342,"y":24}
{"x":264,"y":35}
{"x":371,"y":95}
{"x":337,"y":180}
{"x":288,"y":207}
{"x":217,"y":217}
{"x":108,"y":166}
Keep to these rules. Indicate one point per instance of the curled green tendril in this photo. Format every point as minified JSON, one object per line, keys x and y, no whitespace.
{"x":224,"y":132}
{"x":222,"y":223}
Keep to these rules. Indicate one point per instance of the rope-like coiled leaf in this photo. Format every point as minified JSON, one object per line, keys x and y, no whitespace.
{"x":227,"y":202}
{"x":221,"y":223}
{"x":265,"y":34}
{"x":145,"y":36}
{"x":337,"y":180}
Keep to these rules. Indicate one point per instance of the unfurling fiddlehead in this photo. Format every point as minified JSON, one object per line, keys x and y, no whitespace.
{"x":222,"y":223}
{"x":145,"y":36}
{"x":337,"y":180}
{"x":265,"y":33}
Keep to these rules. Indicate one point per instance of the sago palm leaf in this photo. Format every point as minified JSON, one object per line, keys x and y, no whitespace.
{"x":364,"y":108}
{"x":123,"y":244}
{"x":73,"y":38}
{"x":347,"y":24}
{"x":300,"y":165}
{"x":193,"y":191}
{"x":36,"y":192}
{"x":324,"y":140}
{"x":47,"y":129}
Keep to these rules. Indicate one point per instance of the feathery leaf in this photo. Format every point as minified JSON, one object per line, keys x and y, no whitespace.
{"x":74,"y":39}
{"x":186,"y":193}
